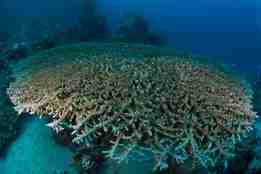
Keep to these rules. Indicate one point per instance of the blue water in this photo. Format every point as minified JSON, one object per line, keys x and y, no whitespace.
{"x":223,"y":29}
{"x":35,"y":151}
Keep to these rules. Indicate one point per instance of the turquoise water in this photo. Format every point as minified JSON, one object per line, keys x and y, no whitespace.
{"x":36,"y":152}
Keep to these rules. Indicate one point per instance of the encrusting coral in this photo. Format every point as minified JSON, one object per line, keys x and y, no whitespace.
{"x":134,"y":102}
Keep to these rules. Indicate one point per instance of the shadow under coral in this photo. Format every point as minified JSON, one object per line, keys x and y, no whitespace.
{"x":36,"y":151}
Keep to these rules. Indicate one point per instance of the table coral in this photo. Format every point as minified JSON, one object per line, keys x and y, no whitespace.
{"x":137,"y":102}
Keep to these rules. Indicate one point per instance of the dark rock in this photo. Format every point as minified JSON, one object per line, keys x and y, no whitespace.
{"x":17,"y":52}
{"x":136,"y":29}
{"x":8,"y":116}
{"x":44,"y":44}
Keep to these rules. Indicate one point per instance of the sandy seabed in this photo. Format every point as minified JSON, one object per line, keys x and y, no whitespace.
{"x":36,"y":152}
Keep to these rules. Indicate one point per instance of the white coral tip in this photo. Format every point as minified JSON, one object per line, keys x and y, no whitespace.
{"x":55,"y":126}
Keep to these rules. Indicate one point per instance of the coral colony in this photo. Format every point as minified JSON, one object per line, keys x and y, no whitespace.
{"x":134,"y":102}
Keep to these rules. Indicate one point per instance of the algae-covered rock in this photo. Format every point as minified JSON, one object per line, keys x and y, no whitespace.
{"x":8,"y":116}
{"x":135,"y":102}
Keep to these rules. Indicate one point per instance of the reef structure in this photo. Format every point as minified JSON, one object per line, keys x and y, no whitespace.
{"x":8,"y":116}
{"x":136,"y":102}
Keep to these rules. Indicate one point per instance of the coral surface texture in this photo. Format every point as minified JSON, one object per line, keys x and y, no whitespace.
{"x":136,"y":102}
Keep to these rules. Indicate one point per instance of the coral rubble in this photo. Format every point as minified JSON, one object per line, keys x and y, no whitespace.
{"x":139,"y":102}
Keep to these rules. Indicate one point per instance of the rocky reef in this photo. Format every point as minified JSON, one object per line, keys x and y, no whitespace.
{"x":137,"y":29}
{"x":249,"y":151}
{"x":8,"y":116}
{"x":122,"y":102}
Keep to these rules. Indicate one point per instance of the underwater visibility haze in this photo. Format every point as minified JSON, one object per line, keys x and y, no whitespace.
{"x":130,"y":87}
